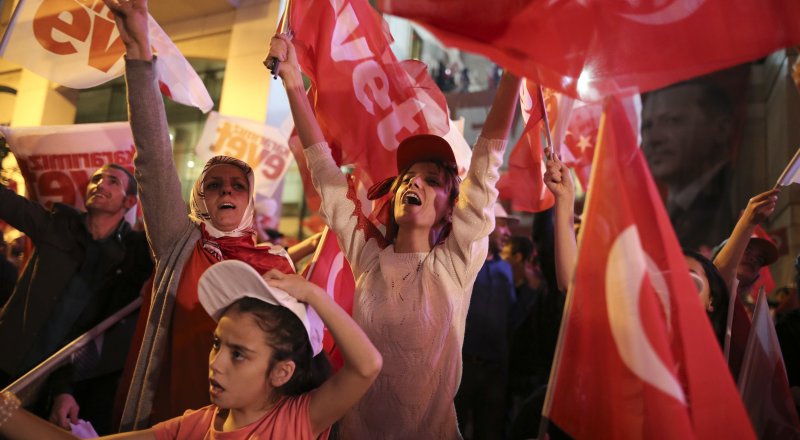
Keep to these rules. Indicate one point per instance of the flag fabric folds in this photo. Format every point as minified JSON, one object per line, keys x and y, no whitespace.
{"x":523,"y":183}
{"x":595,"y":48}
{"x":637,"y":357}
{"x":763,"y":383}
{"x":343,"y":47}
{"x":76,"y":44}
{"x":330,"y":270}
{"x":580,"y":138}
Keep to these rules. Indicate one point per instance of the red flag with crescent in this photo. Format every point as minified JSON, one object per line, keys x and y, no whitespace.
{"x":594,"y":48}
{"x":637,"y":356}
{"x":523,"y":183}
{"x":330,"y":270}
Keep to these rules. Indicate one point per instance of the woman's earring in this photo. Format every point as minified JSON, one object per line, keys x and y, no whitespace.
{"x":710,"y":307}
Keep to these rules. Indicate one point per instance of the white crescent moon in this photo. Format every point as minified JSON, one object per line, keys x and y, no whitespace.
{"x":675,"y":10}
{"x":525,"y":101}
{"x":336,"y":267}
{"x":625,"y":272}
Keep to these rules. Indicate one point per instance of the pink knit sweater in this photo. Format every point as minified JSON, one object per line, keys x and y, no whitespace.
{"x":413,"y":306}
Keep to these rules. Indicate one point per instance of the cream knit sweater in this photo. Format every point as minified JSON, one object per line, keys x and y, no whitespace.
{"x":413,"y":306}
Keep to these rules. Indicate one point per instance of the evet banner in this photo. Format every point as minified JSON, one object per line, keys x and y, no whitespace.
{"x":75,"y":43}
{"x":343,"y":47}
{"x":57,"y":161}
{"x":263,"y":147}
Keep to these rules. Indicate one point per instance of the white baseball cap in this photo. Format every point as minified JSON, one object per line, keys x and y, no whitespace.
{"x":225,"y":282}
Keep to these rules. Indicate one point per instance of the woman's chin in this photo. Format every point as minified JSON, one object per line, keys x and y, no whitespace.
{"x":224,"y":226}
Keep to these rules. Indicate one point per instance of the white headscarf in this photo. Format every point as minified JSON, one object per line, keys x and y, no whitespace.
{"x":197,"y":206}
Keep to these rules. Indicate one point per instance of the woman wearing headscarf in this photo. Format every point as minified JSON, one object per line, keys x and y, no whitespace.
{"x":175,"y":332}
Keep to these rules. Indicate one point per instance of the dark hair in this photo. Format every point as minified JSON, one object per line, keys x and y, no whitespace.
{"x":521,"y":244}
{"x":131,"y":190}
{"x":287,"y":336}
{"x":451,"y":185}
{"x":718,"y":294}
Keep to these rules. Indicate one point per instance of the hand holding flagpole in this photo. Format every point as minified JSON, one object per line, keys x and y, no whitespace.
{"x":274,"y":63}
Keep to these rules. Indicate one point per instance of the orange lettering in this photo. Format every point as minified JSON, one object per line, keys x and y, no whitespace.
{"x":223,"y":133}
{"x":103,"y":56}
{"x":48,"y":18}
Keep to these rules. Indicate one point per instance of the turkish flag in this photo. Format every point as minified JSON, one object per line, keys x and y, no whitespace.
{"x":594,"y":48}
{"x":365,"y":100}
{"x":580,"y":139}
{"x":523,"y":183}
{"x":76,"y":44}
{"x":763,"y":382}
{"x":330,"y":270}
{"x":637,"y":357}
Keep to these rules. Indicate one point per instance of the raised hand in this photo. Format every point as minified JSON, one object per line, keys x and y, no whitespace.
{"x":558,"y":179}
{"x":131,"y":17}
{"x":295,"y":285}
{"x":282,"y":49}
{"x":761,"y":206}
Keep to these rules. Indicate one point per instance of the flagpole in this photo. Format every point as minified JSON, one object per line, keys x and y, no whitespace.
{"x":10,"y":27}
{"x":792,"y":164}
{"x":548,"y":138}
{"x":275,"y":63}
{"x":317,"y":252}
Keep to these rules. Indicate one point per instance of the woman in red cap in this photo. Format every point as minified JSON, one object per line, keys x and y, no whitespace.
{"x":413,"y":283}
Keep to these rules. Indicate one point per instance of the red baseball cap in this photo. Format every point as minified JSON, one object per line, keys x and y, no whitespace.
{"x":423,"y":148}
{"x":767,"y":248}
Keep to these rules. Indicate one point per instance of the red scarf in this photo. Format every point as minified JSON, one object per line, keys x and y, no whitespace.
{"x":244,"y":248}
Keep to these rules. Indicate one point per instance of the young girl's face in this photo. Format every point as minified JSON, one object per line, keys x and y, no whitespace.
{"x":422,"y":197}
{"x":238,"y":364}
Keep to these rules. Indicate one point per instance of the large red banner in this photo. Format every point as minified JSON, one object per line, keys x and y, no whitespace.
{"x":365,"y":100}
{"x":637,"y":357}
{"x":593,"y":48}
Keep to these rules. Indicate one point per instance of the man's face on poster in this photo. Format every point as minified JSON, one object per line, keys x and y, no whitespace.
{"x":682,"y":138}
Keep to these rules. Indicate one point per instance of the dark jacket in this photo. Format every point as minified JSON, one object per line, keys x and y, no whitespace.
{"x":60,"y":238}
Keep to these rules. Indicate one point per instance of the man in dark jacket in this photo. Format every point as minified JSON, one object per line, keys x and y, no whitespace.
{"x":85,"y":266}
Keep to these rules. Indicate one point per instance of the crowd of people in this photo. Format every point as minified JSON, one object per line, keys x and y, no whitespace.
{"x":455,"y":319}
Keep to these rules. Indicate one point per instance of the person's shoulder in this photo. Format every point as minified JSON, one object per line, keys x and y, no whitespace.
{"x":62,"y":209}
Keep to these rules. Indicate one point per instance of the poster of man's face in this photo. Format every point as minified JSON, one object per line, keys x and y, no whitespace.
{"x":688,"y":138}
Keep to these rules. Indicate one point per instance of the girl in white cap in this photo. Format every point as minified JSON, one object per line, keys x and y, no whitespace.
{"x":260,"y":374}
{"x":413,"y":283}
